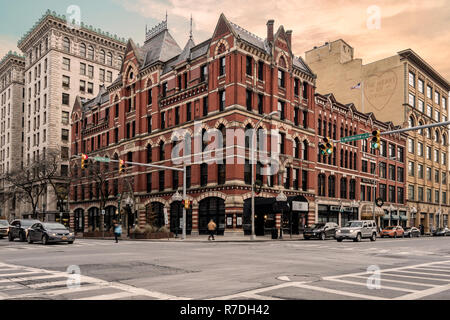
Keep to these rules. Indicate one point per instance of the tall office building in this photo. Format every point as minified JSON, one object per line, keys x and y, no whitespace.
{"x":62,"y":61}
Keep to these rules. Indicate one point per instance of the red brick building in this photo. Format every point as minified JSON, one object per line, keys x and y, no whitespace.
{"x":345,"y":181}
{"x":228,"y":82}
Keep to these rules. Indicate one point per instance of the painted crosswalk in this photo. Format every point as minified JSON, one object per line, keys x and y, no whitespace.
{"x":400,"y":283}
{"x":21,"y":282}
{"x":17,"y":247}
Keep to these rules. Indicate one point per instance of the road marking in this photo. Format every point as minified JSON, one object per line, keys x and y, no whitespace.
{"x":113,"y":296}
{"x":424,"y":293}
{"x":337,"y":292}
{"x":399,"y":281}
{"x":259,"y":297}
{"x":365,"y":285}
{"x":31,"y":278}
{"x":422,"y":272}
{"x":441,"y":269}
{"x":255,"y":291}
{"x":47,"y":284}
{"x":18,"y":274}
{"x":416,"y":277}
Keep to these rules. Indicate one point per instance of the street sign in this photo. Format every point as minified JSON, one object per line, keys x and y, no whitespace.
{"x":101,"y":159}
{"x":355,"y":138}
{"x":103,"y":212}
{"x":300,"y":206}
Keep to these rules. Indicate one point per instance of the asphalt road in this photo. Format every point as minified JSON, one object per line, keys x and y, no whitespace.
{"x":398,"y":269}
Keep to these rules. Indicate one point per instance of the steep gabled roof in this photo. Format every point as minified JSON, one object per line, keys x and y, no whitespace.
{"x":249,"y":37}
{"x":162,"y":47}
{"x":186,"y":53}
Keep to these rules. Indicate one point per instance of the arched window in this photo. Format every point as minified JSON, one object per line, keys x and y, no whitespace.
{"x":248,"y":136}
{"x":162,"y":153}
{"x":149,"y":154}
{"x":420,"y":130}
{"x":119,"y":61}
{"x":296,"y":151}
{"x":428,"y":133}
{"x":155,"y":214}
{"x":321,"y":185}
{"x":79,"y":220}
{"x":332,"y":186}
{"x":102,"y":56}
{"x":305,"y":150}
{"x":352,"y":193}
{"x":109,"y":59}
{"x":444,"y":140}
{"x":90,"y":52}
{"x":203,"y":174}
{"x":223,"y":132}
{"x":176,"y":213}
{"x":66,"y":44}
{"x":82,"y":50}
{"x":437,"y":136}
{"x":411,"y":122}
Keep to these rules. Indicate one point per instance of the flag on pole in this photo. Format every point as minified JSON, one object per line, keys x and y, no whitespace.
{"x":358,"y":86}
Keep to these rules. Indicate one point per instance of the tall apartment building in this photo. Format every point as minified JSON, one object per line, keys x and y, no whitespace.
{"x":229,"y":83}
{"x":11,"y":125}
{"x":406,"y":90}
{"x":62,"y":61}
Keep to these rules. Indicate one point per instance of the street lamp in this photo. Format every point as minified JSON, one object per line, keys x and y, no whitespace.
{"x":253,"y":236}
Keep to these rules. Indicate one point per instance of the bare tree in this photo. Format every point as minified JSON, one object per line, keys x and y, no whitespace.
{"x":30,"y":182}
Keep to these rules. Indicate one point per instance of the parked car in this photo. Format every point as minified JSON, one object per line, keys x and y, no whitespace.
{"x":19,"y":229}
{"x":357,"y":230}
{"x":321,"y":231}
{"x":393,"y":232}
{"x":412,"y":232}
{"x":50,"y":232}
{"x":441,"y":232}
{"x":4,"y":228}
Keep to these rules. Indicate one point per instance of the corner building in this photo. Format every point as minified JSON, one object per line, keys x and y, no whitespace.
{"x":228,"y":82}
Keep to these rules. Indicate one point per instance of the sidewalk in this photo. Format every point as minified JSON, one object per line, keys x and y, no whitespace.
{"x":204,"y":238}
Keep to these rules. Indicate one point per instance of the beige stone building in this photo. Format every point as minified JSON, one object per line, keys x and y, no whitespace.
{"x":406,"y":90}
{"x":11,"y":125}
{"x":62,"y":61}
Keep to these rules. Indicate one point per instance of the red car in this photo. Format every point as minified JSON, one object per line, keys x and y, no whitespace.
{"x":393,"y":232}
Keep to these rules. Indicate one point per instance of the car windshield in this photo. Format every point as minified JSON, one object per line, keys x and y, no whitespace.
{"x":317,"y":226}
{"x":353,"y":224}
{"x":28,"y":223}
{"x":4,"y":223}
{"x":389,"y":228}
{"x":54,"y":226}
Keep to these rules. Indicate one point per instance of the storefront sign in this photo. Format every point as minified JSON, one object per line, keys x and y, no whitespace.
{"x":300,"y":206}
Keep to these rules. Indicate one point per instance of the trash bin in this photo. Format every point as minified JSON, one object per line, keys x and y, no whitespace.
{"x":274,"y":234}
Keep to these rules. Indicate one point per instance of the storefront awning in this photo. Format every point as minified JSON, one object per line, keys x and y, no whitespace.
{"x":367,"y":212}
{"x":394,"y":217}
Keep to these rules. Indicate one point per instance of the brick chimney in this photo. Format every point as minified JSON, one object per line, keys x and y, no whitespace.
{"x":289,"y":37}
{"x":270,"y":30}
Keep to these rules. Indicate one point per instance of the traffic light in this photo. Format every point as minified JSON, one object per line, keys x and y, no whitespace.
{"x":84,"y":159}
{"x":186,"y":204}
{"x":326,"y":148}
{"x":376,"y":141}
{"x":122,"y":166}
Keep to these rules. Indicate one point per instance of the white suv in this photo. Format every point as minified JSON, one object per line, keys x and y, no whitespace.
{"x":357,"y":230}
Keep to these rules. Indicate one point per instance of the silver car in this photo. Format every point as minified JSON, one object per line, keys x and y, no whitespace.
{"x":357,"y":230}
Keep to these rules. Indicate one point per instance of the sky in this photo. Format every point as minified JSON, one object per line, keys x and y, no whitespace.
{"x":375,"y":28}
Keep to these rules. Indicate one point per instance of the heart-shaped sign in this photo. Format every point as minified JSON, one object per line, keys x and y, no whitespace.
{"x":379,"y":89}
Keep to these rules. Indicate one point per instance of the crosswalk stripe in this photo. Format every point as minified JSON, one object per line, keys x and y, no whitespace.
{"x":47,"y":284}
{"x":18,"y":274}
{"x":50,"y":276}
{"x":423,"y":272}
{"x":338,"y":292}
{"x":424,"y":293}
{"x":53,"y":293}
{"x":383,"y":287}
{"x":112,"y":296}
{"x":399,"y":281}
{"x":433,"y":269}
{"x":415,"y":277}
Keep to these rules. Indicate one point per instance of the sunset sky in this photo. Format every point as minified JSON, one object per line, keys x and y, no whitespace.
{"x":420,"y":25}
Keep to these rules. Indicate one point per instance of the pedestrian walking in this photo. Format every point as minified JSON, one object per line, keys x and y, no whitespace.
{"x":117,"y":231}
{"x":212,"y":229}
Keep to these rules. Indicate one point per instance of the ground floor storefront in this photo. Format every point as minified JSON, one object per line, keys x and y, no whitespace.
{"x":230,"y":211}
{"x":429,"y":216}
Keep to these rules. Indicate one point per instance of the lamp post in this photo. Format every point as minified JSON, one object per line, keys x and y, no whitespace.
{"x":253,"y":236}
{"x":177,"y":198}
{"x":281,"y":198}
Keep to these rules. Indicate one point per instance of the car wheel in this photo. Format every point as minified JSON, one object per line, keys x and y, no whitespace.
{"x":323,"y":236}
{"x":306,"y":238}
{"x":358,"y":238}
{"x":45,"y":240}
{"x":382,"y":237}
{"x":10,"y":237}
{"x":23,"y":238}
{"x":29,"y":239}
{"x":339,"y":240}
{"x":70,"y":242}
{"x":374,"y":237}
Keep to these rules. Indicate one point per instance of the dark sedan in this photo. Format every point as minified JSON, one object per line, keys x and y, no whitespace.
{"x":412,"y":232}
{"x":441,"y":232}
{"x":321,"y":231}
{"x":50,"y":232}
{"x":4,"y":228}
{"x":19,"y":229}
